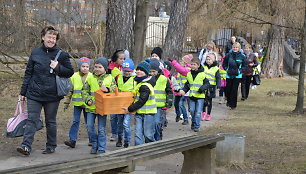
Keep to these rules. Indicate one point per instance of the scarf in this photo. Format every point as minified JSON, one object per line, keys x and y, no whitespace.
{"x":140,"y":79}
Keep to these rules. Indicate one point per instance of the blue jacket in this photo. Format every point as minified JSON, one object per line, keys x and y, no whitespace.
{"x":38,"y":83}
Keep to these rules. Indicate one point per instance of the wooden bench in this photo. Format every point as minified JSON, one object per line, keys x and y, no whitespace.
{"x":198,"y":150}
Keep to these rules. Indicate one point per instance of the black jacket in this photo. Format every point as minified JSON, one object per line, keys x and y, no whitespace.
{"x":203,"y":88}
{"x":38,"y":83}
{"x":143,"y":97}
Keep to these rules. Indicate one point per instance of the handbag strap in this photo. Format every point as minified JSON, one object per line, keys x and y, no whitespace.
{"x":55,"y":59}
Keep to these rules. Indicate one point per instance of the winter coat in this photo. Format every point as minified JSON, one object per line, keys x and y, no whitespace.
{"x":250,"y":58}
{"x":234,"y":64}
{"x":38,"y":83}
{"x":144,"y":95}
{"x":180,"y":68}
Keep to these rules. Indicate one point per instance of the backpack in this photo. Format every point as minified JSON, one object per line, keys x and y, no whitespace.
{"x":16,"y":124}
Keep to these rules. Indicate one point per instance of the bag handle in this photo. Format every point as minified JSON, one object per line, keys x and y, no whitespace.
{"x":19,"y":107}
{"x":56,"y":57}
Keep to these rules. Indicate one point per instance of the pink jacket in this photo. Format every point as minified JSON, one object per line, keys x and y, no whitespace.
{"x":180,"y":68}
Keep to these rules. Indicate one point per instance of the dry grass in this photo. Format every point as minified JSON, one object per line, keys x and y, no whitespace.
{"x":275,"y":138}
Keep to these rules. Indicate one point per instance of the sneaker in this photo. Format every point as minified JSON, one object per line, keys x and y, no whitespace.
{"x":24,"y":150}
{"x":48,"y":150}
{"x":89,"y":144}
{"x":113,"y":137}
{"x":196,"y":130}
{"x":70,"y":143}
{"x":220,"y":100}
{"x":185,"y":122}
{"x":93,"y":150}
{"x":190,"y":116}
{"x":208,"y":117}
{"x":126,"y":144}
{"x":100,"y":152}
{"x":181,"y":117}
{"x":203,"y":116}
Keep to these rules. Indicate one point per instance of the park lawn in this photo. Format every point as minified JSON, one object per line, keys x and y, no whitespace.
{"x":275,"y":138}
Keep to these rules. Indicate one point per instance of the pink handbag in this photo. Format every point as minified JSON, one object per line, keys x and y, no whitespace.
{"x":16,"y":124}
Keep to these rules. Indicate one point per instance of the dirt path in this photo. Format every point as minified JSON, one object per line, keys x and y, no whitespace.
{"x":166,"y":165}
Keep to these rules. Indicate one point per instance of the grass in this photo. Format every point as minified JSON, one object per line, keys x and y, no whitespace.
{"x":275,"y":138}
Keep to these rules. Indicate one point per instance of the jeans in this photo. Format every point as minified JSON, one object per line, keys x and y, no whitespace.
{"x":124,"y":126}
{"x":157,"y":120}
{"x":98,"y":140}
{"x":196,"y":108}
{"x":114,"y":123}
{"x":144,"y":128}
{"x":179,"y":106}
{"x":74,"y":129}
{"x":34,"y":110}
{"x":245,"y":86}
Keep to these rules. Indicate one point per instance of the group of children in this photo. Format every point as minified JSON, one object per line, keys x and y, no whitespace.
{"x":154,"y":88}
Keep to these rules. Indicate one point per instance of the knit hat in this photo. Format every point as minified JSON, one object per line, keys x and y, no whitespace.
{"x":128,"y":65}
{"x":115,"y":56}
{"x":158,"y":51}
{"x":103,"y":61}
{"x":187,"y":58}
{"x":144,"y":66}
{"x":83,"y":60}
{"x":154,"y":64}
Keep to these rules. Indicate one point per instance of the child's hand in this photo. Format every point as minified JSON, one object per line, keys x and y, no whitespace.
{"x":182,"y":93}
{"x":103,"y":88}
{"x":126,"y":111}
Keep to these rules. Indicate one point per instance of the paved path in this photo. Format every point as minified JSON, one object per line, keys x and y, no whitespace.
{"x":166,"y":165}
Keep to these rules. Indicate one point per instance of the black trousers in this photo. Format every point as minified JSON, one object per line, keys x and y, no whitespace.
{"x":34,"y":110}
{"x":245,"y":86}
{"x":231,"y":92}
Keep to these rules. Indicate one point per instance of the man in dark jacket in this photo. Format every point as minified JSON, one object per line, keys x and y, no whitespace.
{"x":39,"y":87}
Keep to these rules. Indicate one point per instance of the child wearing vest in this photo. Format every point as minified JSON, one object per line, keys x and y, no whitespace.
{"x":222,"y":73}
{"x":78,"y":80}
{"x":144,"y":105}
{"x":181,"y":79}
{"x":125,"y":83}
{"x":100,"y":80}
{"x":196,"y":84}
{"x":163,"y":96}
{"x":115,"y":68}
{"x":211,"y":70}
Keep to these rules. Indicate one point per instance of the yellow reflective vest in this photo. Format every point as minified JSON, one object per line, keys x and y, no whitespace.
{"x":160,"y":91}
{"x":195,"y":84}
{"x":115,"y":72}
{"x":211,"y":74}
{"x":76,"y":80}
{"x":128,"y":86}
{"x":150,"y":106}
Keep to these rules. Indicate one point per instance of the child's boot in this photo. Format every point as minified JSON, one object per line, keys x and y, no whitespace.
{"x":208,"y":117}
{"x":119,"y":141}
{"x":203,"y":116}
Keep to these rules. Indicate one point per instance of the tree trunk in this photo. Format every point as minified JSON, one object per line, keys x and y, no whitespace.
{"x":299,"y":107}
{"x":176,"y":29}
{"x":140,"y":28}
{"x":119,"y":26}
{"x":273,"y":63}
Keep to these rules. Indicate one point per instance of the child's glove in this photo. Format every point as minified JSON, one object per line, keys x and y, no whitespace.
{"x":170,"y":60}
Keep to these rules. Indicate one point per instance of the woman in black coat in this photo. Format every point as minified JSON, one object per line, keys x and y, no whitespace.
{"x":39,"y":88}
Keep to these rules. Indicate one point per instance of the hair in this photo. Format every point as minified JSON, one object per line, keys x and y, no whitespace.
{"x":51,"y":30}
{"x":248,"y":46}
{"x":212,"y":44}
{"x":237,"y":44}
{"x":196,"y":60}
{"x":214,"y":54}
{"x":115,"y":56}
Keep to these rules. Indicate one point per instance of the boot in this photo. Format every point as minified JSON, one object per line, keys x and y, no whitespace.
{"x":70,"y":143}
{"x":119,"y":141}
{"x":177,"y":119}
{"x":126,"y":144}
{"x":208,"y":117}
{"x":203,"y":116}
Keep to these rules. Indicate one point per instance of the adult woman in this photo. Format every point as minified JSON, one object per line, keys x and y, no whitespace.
{"x":39,"y":87}
{"x":247,"y":75}
{"x":209,"y":48}
{"x":234,"y":64}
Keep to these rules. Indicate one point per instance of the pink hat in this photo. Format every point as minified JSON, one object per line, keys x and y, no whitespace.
{"x":187,"y":58}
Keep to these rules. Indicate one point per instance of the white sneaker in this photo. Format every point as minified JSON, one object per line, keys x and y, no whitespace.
{"x":190,"y":116}
{"x":181,"y":117}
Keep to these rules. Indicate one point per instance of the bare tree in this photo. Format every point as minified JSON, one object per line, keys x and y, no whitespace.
{"x":119,"y":26}
{"x":176,"y":29}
